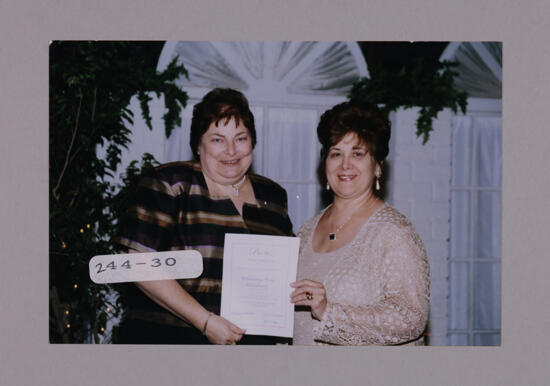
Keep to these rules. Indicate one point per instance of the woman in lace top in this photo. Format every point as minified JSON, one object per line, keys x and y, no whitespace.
{"x":363,"y":274}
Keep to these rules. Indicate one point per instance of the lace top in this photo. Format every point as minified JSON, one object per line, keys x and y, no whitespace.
{"x":377,"y":285}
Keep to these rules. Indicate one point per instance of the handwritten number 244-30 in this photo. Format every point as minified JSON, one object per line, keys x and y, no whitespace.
{"x":170,"y":261}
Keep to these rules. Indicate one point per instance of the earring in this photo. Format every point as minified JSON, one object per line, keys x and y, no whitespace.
{"x":377,"y":185}
{"x":377,"y":174}
{"x":328,"y":186}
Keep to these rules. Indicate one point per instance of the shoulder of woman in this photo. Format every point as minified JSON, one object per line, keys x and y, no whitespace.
{"x":391,"y":217}
{"x":181,"y":171}
{"x":391,"y":223}
{"x":396,"y":226}
{"x":174,"y":177}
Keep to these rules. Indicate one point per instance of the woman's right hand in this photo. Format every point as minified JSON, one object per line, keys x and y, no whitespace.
{"x":221,"y":331}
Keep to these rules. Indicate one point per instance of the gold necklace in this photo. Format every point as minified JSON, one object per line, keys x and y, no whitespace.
{"x":332,"y":235}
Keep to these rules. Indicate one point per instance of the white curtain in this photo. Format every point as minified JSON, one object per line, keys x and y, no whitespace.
{"x":475,"y":269}
{"x":176,"y":148}
{"x":291,"y":155}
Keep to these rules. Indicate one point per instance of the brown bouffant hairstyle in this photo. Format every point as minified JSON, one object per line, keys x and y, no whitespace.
{"x":217,"y":105}
{"x":365,"y":119}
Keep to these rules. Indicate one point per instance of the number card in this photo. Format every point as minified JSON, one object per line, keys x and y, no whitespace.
{"x":129,"y":267}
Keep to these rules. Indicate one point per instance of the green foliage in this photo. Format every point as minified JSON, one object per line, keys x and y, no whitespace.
{"x":91,"y":84}
{"x":429,"y":87}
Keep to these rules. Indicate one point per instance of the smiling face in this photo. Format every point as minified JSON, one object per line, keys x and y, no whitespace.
{"x":350,"y":168}
{"x":225,"y":151}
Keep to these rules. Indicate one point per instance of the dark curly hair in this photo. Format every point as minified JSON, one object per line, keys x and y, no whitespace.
{"x":365,"y":119}
{"x":220,"y":104}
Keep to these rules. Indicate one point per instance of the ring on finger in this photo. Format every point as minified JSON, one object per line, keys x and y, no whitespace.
{"x":309,"y":296}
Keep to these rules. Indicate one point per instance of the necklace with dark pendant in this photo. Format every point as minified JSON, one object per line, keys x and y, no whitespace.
{"x":332,"y":235}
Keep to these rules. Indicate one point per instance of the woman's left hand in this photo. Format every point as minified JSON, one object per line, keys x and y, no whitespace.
{"x":310,"y":293}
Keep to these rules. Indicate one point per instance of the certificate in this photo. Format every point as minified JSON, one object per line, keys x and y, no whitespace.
{"x":257,"y":272}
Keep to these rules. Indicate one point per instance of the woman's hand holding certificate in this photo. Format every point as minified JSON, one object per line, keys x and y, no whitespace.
{"x":257,"y":272}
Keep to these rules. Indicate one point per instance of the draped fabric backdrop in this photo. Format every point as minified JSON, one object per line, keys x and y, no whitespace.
{"x":475,"y":266}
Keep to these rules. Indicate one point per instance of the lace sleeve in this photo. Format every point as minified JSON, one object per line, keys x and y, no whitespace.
{"x":401,"y":314}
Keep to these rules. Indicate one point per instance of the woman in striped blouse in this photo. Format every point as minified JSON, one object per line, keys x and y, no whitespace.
{"x":191,"y":205}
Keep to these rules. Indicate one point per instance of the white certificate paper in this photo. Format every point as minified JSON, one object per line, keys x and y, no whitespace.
{"x":257,"y":272}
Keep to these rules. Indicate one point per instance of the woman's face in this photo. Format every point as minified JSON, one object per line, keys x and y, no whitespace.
{"x":225,"y":151}
{"x":350,"y":168}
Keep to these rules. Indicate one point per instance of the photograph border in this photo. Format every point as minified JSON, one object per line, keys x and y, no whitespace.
{"x":27,"y":28}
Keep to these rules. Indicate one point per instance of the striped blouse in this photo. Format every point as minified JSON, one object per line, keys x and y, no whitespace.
{"x":174,"y":210}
